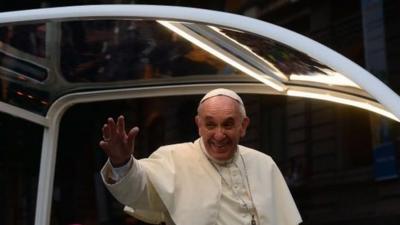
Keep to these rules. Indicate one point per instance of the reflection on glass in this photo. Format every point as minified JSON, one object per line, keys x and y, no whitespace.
{"x":118,"y":50}
{"x":287,"y":60}
{"x":222,"y":54}
{"x":20,"y":68}
{"x":22,"y":73}
{"x":19,"y":170}
{"x":269,"y":65}
{"x":329,"y":77}
{"x":29,"y":39}
{"x":342,"y":99}
{"x":144,"y":52}
{"x":24,"y":96}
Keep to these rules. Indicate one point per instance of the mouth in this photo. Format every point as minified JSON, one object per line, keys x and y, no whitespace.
{"x":221,"y":146}
{"x":220,"y":150}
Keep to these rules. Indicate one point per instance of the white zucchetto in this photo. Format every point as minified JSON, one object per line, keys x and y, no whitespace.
{"x":223,"y":92}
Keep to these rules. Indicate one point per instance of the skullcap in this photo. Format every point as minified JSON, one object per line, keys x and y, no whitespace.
{"x":222,"y":92}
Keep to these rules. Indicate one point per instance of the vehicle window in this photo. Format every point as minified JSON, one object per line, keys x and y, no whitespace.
{"x":23,"y":66}
{"x":123,"y":50}
{"x":79,"y":194}
{"x":323,"y":150}
{"x":19,"y":169}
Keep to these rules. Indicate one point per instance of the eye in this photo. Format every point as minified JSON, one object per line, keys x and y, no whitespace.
{"x":229,"y":124}
{"x":210,"y":125}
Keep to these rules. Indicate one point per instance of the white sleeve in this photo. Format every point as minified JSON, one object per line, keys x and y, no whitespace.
{"x":130,"y":186}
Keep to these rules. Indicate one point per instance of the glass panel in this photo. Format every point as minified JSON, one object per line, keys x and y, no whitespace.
{"x":105,"y":54}
{"x":120,"y":50}
{"x":325,"y":151}
{"x":22,"y":67}
{"x":19,"y":169}
{"x":284,"y":60}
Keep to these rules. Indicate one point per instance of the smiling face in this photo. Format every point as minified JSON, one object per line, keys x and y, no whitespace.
{"x":221,"y":125}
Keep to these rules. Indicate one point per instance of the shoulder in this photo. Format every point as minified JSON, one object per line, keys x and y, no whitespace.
{"x":175,"y":150}
{"x":176,"y":147}
{"x":255,"y":155}
{"x":259,"y":161}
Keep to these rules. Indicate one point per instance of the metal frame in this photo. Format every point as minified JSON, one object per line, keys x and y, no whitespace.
{"x":22,"y":113}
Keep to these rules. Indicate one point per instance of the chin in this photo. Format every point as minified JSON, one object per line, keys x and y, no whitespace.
{"x":222,"y":155}
{"x":223,"y":158}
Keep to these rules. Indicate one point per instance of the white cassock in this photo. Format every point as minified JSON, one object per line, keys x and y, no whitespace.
{"x":179,"y":185}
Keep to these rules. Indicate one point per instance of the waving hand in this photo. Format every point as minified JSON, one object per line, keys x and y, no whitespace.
{"x":116,"y":143}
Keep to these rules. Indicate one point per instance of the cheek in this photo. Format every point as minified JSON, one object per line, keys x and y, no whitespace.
{"x":236,"y":135}
{"x":205,"y":134}
{"x":202,"y":132}
{"x":242,"y":133}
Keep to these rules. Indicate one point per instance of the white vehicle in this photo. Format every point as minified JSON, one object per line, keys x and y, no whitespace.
{"x":64,"y":70}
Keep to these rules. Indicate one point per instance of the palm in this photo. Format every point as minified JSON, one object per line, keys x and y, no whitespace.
{"x":116,"y":143}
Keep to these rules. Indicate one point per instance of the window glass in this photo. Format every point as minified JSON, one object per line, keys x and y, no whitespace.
{"x":120,"y":50}
{"x":98,"y":54}
{"x":19,"y":169}
{"x":23,"y":69}
{"x":30,"y":38}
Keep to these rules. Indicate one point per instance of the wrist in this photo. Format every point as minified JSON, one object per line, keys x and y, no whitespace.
{"x":119,"y":163}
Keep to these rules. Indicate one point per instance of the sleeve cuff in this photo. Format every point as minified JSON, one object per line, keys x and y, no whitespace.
{"x":119,"y":172}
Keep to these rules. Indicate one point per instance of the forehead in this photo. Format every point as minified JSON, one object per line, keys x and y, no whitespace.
{"x":219,"y":106}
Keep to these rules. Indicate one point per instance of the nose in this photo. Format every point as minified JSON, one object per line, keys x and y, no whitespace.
{"x":219,"y":134}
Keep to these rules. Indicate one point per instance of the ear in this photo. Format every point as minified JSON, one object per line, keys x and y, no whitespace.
{"x":197,"y":120}
{"x":245,"y":124}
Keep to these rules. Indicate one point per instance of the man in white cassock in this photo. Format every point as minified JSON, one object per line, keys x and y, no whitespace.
{"x":212,"y":180}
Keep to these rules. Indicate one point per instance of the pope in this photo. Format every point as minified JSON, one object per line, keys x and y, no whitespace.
{"x":212,"y":180}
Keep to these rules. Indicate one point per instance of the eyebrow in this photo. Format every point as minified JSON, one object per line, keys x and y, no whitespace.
{"x":225,"y":120}
{"x":209,"y":118}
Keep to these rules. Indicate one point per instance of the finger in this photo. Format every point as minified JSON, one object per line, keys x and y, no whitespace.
{"x":111,"y":126}
{"x":133,"y":133}
{"x":131,"y":137}
{"x":104,"y":145}
{"x":121,"y":125}
{"x":106,"y":131}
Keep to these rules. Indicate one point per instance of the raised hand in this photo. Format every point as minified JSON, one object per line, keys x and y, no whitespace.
{"x":116,"y":143}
